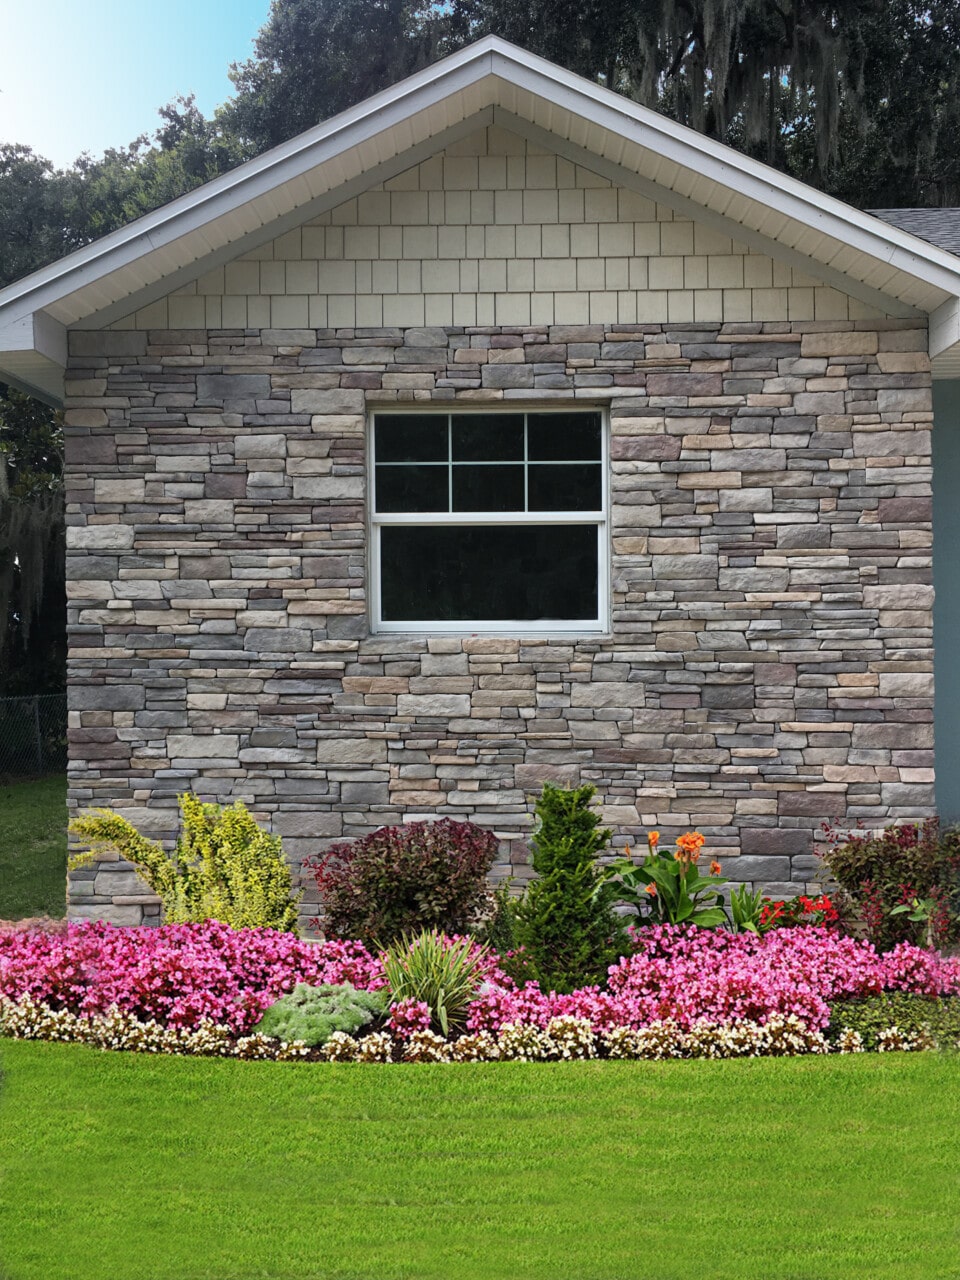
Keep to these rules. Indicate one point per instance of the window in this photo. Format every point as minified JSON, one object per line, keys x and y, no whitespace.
{"x":488,"y":521}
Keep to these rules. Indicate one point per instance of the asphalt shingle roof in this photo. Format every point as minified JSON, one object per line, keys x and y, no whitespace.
{"x":937,"y":226}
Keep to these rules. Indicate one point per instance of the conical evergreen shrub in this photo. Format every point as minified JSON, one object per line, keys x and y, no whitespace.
{"x":565,"y":922}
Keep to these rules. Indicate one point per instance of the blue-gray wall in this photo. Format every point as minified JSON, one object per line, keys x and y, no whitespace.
{"x":946,"y":579}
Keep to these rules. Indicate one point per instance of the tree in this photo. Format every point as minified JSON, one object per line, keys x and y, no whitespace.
{"x":315,"y":58}
{"x":32,"y":599}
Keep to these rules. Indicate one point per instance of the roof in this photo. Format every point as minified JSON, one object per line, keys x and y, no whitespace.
{"x":937,"y":226}
{"x":491,"y":81}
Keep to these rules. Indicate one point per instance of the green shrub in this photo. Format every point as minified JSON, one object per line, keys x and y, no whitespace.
{"x":903,"y":865}
{"x":313,"y":1014}
{"x":940,"y":1018}
{"x":425,"y":875}
{"x":565,"y":922}
{"x":443,"y":972}
{"x":224,"y":867}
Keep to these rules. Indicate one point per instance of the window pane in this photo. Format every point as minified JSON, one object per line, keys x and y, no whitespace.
{"x":488,"y":574}
{"x":412,"y":488}
{"x":410,"y":437}
{"x":571,"y":487}
{"x":564,"y":437}
{"x":488,"y":437}
{"x":489,"y":488}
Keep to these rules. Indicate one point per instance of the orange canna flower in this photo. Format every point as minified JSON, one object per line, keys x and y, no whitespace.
{"x":653,"y":839}
{"x":715,"y":868}
{"x":652,"y":890}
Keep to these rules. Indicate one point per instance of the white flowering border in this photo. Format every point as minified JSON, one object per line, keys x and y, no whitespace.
{"x":565,"y":1039}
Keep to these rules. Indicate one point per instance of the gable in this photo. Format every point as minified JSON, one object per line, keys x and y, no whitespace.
{"x":239,"y":219}
{"x":495,"y":230}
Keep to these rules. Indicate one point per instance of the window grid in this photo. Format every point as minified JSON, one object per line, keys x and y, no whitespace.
{"x":513,"y":627}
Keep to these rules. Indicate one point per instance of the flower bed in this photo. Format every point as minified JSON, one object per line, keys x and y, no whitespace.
{"x":683,"y":992}
{"x":178,"y":975}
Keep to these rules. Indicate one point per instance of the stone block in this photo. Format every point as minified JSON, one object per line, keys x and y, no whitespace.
{"x":905,"y":510}
{"x":196,"y":746}
{"x":535,"y":775}
{"x":364,"y":794}
{"x":334,"y":400}
{"x":906,"y":684}
{"x":758,"y":869}
{"x":424,"y":337}
{"x":106,"y":342}
{"x":217,"y":387}
{"x":106,"y":697}
{"x":722,"y":697}
{"x":607,"y":693}
{"x":273,"y":737}
{"x":117,"y":879}
{"x":819,"y":402}
{"x":204,"y":566}
{"x":821,"y":805}
{"x":507,"y":375}
{"x":434,"y":704}
{"x":844,"y":343}
{"x":898,"y":595}
{"x":208,"y":511}
{"x":349,"y":751}
{"x":905,"y":400}
{"x":99,"y":537}
{"x":684,"y":567}
{"x":684,"y":384}
{"x":81,"y":567}
{"x":111,"y":914}
{"x":278,"y":639}
{"x":884,"y":444}
{"x":257,"y":445}
{"x":775,"y":840}
{"x":661,"y":448}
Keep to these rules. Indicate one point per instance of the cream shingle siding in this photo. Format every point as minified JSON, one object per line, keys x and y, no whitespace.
{"x":494,"y":232}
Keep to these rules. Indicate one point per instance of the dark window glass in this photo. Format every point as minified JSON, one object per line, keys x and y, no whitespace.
{"x":410,"y":437}
{"x":563,"y":437}
{"x":574,"y":487}
{"x":412,"y":488}
{"x":487,"y":437}
{"x":488,"y":573}
{"x":490,"y":488}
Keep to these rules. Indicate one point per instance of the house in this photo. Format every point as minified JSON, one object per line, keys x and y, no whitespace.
{"x":501,"y":430}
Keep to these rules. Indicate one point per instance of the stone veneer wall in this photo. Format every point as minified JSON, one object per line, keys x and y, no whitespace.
{"x":770,"y":659}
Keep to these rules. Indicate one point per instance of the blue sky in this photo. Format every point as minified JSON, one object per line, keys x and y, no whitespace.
{"x":84,"y":75}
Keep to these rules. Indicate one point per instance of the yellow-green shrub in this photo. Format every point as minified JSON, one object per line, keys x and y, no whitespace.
{"x":224,"y":867}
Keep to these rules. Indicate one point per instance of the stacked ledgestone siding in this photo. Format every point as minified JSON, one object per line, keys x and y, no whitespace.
{"x":770,"y":662}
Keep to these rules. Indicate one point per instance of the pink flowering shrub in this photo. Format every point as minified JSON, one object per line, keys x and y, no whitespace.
{"x":686,"y":975}
{"x":408,"y":1016}
{"x":176,"y":974}
{"x":180,"y":975}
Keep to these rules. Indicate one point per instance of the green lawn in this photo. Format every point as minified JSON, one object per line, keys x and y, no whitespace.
{"x":127,"y":1167}
{"x":33,"y":848}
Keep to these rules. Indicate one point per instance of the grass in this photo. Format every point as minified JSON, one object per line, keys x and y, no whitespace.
{"x":33,"y":848}
{"x":118,"y":1166}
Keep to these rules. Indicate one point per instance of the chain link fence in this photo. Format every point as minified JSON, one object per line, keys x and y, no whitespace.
{"x":33,"y":736}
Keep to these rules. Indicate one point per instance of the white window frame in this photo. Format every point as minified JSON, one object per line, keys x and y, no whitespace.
{"x":505,"y":627}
